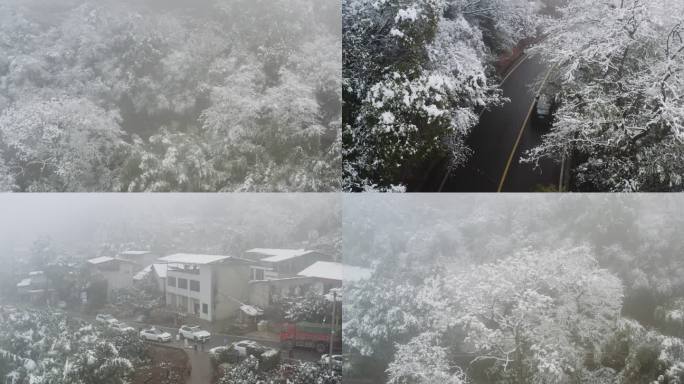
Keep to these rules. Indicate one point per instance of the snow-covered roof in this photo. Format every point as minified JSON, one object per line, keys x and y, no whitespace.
{"x":100,"y":260}
{"x":24,"y":283}
{"x":35,"y":273}
{"x":159,"y":269}
{"x":143,"y":273}
{"x":251,"y":310}
{"x":135,"y":253}
{"x":276,"y":255}
{"x":335,"y":271}
{"x":191,"y":258}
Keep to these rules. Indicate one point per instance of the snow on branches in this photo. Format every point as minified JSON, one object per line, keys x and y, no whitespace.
{"x":617,"y":67}
{"x":416,"y":74}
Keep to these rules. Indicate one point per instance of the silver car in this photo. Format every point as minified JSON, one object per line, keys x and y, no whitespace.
{"x":544,"y":104}
{"x":154,"y":334}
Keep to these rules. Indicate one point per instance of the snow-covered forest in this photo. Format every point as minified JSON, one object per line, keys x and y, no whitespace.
{"x":236,"y":95}
{"x":46,"y":347}
{"x":516,"y":289}
{"x":618,"y":72}
{"x":418,"y":74}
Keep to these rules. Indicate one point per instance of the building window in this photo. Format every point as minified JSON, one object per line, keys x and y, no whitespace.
{"x":171,"y":281}
{"x":205,"y":309}
{"x":182,"y":283}
{"x":171,"y":299}
{"x":183,"y":303}
{"x":194,"y":285}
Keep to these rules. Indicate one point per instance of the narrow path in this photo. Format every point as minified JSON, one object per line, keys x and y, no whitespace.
{"x":202,"y":369}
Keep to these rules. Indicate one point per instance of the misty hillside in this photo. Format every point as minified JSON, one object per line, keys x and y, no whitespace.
{"x":516,"y":288}
{"x":58,"y":229}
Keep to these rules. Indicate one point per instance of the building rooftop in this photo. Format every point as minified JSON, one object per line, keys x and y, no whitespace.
{"x":24,"y":283}
{"x":135,"y":253}
{"x":159,"y":269}
{"x":100,"y":260}
{"x":251,"y":310}
{"x":276,"y":255}
{"x":191,"y":258}
{"x":335,"y":271}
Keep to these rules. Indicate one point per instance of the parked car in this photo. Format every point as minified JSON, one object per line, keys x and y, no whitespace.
{"x":337,"y":361}
{"x":269,"y":359}
{"x":154,"y":334}
{"x":544,"y":105}
{"x":121,"y":327}
{"x":193,"y":332}
{"x":224,"y":354}
{"x":9,"y":309}
{"x":106,"y":318}
{"x":248,"y":347}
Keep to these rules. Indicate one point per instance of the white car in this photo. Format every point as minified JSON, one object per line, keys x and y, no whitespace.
{"x":544,"y":105}
{"x":105,"y":318}
{"x":194,"y":333}
{"x":154,"y":334}
{"x":337,"y":361}
{"x":245,"y":348}
{"x":121,"y":327}
{"x":9,"y":309}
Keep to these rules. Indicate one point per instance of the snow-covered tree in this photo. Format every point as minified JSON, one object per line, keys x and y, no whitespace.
{"x":244,"y":96}
{"x":423,"y":361}
{"x":41,"y":347}
{"x":416,"y":74}
{"x":617,"y":67}
{"x":249,"y":372}
{"x":533,"y":316}
{"x":61,"y":145}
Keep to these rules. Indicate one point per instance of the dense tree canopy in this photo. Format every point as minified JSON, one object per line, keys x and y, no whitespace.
{"x":112,"y":96}
{"x":516,"y":289}
{"x":41,"y":347}
{"x":617,"y":70}
{"x":415,"y":76}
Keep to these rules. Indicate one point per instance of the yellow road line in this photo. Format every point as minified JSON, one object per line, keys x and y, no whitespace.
{"x":513,"y":69}
{"x":524,"y":57}
{"x":520,"y":132}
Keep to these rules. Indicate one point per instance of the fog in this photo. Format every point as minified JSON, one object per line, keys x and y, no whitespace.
{"x":179,"y":96}
{"x":461,"y":280}
{"x":210,"y":276}
{"x":81,"y":225}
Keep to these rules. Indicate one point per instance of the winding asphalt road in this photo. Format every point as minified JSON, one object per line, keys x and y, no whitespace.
{"x":494,"y":165}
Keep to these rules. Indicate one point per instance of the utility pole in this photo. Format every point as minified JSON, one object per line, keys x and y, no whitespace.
{"x":332,"y":332}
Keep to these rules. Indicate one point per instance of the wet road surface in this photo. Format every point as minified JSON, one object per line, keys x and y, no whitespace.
{"x":493,"y":140}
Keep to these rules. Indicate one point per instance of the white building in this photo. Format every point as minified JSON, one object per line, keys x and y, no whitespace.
{"x":211,"y":287}
{"x":156,"y":271}
{"x":319,"y":277}
{"x":327,"y":275}
{"x":140,"y":257}
{"x":271,"y":263}
{"x":35,"y":288}
{"x":118,"y":273}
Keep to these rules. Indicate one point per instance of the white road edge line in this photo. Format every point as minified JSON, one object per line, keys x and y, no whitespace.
{"x":522,"y":129}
